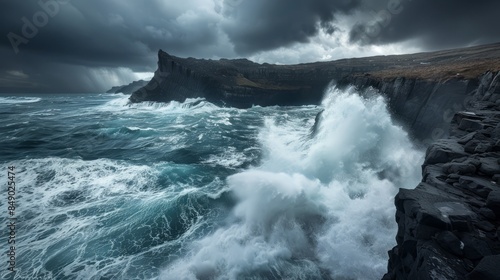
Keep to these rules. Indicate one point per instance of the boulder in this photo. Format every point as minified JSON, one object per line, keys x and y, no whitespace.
{"x":487,"y":213}
{"x":470,"y":147}
{"x":496,"y":132}
{"x":480,"y":186}
{"x":466,"y":168}
{"x":493,"y":202}
{"x":443,"y":151}
{"x":489,"y":165}
{"x":470,"y":125}
{"x":475,"y":248}
{"x":450,"y":242}
{"x":483,"y":147}
{"x":487,"y":269}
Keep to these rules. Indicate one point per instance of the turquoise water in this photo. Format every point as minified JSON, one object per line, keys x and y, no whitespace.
{"x":108,"y":190}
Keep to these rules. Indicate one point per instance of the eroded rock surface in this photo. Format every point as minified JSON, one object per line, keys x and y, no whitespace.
{"x":424,"y":90}
{"x":449,"y":225}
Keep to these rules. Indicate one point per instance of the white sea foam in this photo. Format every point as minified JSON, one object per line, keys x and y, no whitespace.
{"x":134,"y":128}
{"x":18,"y":100}
{"x":121,"y":104}
{"x":230,"y":158}
{"x":65,"y":205}
{"x":314,"y":205}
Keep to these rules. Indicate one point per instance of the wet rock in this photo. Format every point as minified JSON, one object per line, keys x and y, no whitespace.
{"x":470,"y":125}
{"x":432,"y":264}
{"x":481,"y":137}
{"x":471,"y":146}
{"x":479,"y":186}
{"x":450,"y":222}
{"x":489,"y":165}
{"x":444,"y":151}
{"x":486,"y":226}
{"x":434,"y":210}
{"x":317,"y":121}
{"x":496,"y":131}
{"x":462,"y":115}
{"x":496,"y":179}
{"x":464,"y":139}
{"x":493,"y":202}
{"x":496,"y":147}
{"x":487,"y":269}
{"x":450,"y":242}
{"x":483,"y":148}
{"x":459,"y":168}
{"x":475,"y":248}
{"x":487,"y":213}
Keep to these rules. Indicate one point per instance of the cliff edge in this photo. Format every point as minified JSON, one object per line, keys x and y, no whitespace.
{"x":449,"y":225}
{"x":424,"y":90}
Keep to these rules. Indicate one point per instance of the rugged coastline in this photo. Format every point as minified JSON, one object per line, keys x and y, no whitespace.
{"x":449,"y":225}
{"x":449,"y":101}
{"x":421,"y":88}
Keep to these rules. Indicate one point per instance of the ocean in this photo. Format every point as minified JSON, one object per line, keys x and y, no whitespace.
{"x":111,"y":190}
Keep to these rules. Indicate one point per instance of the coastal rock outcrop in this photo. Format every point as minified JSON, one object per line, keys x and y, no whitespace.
{"x":128,"y":89}
{"x":424,"y":90}
{"x":449,"y":225}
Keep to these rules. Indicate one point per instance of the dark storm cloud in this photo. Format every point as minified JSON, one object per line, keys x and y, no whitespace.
{"x":110,"y":32}
{"x":89,"y":45}
{"x":435,"y":24}
{"x":265,"y":25}
{"x":66,"y":40}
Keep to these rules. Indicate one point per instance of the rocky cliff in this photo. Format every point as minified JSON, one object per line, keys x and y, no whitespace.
{"x":128,"y":89}
{"x":423,"y":90}
{"x":448,"y":227}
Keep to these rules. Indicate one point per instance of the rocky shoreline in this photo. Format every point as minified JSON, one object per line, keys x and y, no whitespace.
{"x":420,"y":87}
{"x":449,"y":225}
{"x":449,"y":101}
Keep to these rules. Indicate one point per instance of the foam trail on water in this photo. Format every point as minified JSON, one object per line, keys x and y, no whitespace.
{"x":65,"y":205}
{"x":316,"y":208}
{"x":19,"y":100}
{"x":121,"y":104}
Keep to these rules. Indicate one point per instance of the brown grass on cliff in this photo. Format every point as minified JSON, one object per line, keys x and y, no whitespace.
{"x":439,"y":71}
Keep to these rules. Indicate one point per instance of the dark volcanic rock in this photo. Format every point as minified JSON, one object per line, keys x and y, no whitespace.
{"x":450,"y":242}
{"x":449,"y":225}
{"x":487,"y":269}
{"x":493,"y":202}
{"x":470,"y":125}
{"x":489,"y":164}
{"x":423,"y":97}
{"x":128,"y":89}
{"x":443,"y":151}
{"x":459,"y":168}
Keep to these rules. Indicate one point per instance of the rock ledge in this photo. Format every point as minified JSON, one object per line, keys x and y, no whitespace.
{"x":449,"y":225}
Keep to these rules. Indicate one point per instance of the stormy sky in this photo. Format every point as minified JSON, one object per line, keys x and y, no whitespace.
{"x":91,"y":45}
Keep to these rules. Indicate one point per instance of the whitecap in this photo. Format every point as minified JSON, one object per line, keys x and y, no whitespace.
{"x":314,"y":205}
{"x":19,"y":100}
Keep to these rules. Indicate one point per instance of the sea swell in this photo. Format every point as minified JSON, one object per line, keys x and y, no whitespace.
{"x":190,"y":190}
{"x":315,"y":208}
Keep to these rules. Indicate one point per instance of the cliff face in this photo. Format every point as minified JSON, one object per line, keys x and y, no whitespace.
{"x":424,"y":107}
{"x":128,"y":89}
{"x":424,"y":90}
{"x":237,"y":83}
{"x":449,"y":225}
